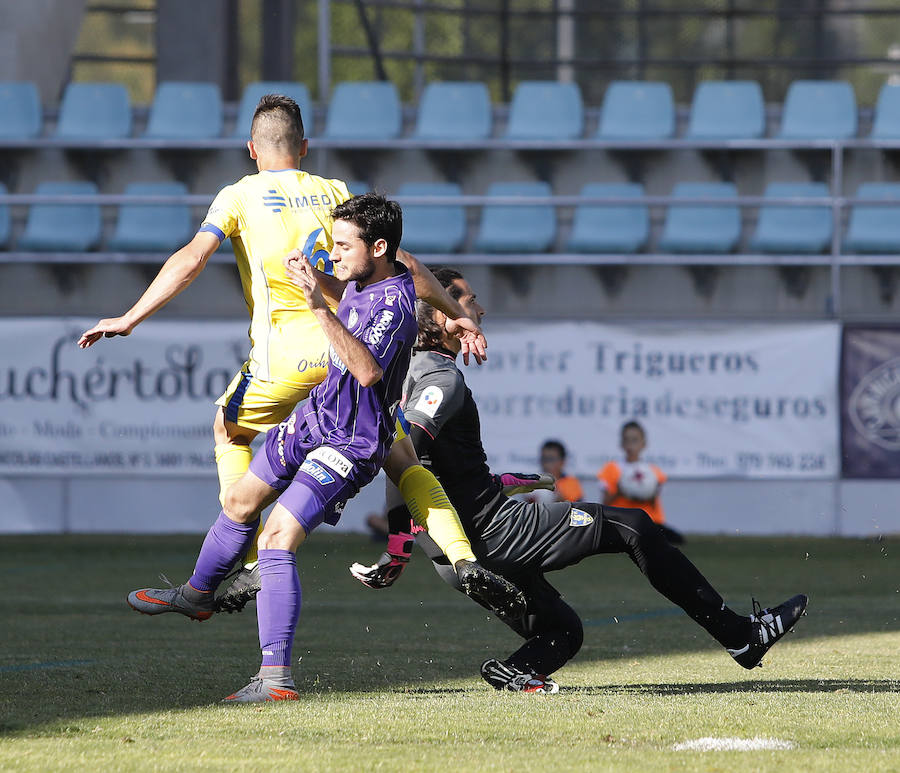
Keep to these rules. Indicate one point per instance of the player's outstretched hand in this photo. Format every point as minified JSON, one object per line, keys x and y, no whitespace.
{"x":523,"y":483}
{"x":105,"y":328}
{"x":470,"y":337}
{"x":389,"y":567}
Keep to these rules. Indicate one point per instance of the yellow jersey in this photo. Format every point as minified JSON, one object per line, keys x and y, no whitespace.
{"x":267,"y":215}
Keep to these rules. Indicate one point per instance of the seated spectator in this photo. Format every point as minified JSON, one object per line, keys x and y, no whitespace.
{"x":634,"y":483}
{"x":553,"y":461}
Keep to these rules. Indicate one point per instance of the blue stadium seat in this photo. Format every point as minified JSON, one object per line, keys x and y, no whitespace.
{"x":785,"y":229}
{"x":358,"y":187}
{"x":255,"y":91}
{"x":819,"y":110}
{"x":704,"y":229}
{"x":454,"y":111}
{"x":886,"y":125}
{"x":185,"y":111}
{"x":613,"y":228}
{"x":153,"y":227}
{"x":508,"y":228}
{"x":5,"y":224}
{"x":546,"y":110}
{"x":637,"y":110}
{"x":20,"y":111}
{"x":364,"y":110}
{"x":99,"y":111}
{"x":63,"y":227}
{"x":433,"y":229}
{"x":873,"y":229}
{"x":727,"y":110}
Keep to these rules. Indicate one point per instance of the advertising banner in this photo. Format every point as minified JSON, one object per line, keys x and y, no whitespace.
{"x":140,"y":404}
{"x":750,"y":401}
{"x":735,"y":400}
{"x":870,"y":416}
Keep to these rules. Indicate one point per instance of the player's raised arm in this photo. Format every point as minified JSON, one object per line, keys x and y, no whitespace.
{"x":182,"y":268}
{"x":458,"y":324}
{"x":353,"y":352}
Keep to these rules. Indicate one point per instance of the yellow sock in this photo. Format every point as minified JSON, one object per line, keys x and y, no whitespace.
{"x":232,"y":462}
{"x":430,"y":508}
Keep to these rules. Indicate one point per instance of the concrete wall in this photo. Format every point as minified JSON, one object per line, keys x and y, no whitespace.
{"x":36,"y":42}
{"x":34,"y":505}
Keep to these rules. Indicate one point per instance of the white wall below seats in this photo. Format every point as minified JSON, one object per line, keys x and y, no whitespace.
{"x":85,"y":505}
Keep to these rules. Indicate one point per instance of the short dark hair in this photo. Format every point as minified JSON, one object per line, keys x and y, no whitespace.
{"x":277,"y":123}
{"x":633,"y":425}
{"x":554,"y":445}
{"x":430,"y":333}
{"x":376,"y":218}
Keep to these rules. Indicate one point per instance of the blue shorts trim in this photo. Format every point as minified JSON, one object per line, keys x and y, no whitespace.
{"x":401,"y":417}
{"x":234,"y":404}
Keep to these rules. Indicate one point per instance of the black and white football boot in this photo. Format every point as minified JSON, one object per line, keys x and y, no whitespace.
{"x":767,"y":627}
{"x":501,"y":676}
{"x":246,"y":584}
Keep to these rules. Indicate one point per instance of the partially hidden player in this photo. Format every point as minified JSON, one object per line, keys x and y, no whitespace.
{"x":523,"y":541}
{"x":268,"y":215}
{"x":325,"y":451}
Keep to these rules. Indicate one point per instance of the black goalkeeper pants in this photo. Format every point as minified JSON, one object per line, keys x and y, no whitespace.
{"x":521,"y":541}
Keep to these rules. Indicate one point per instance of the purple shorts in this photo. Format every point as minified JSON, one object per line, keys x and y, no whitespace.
{"x":315,"y":480}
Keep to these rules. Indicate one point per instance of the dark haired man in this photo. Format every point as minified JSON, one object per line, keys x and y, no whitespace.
{"x":325,"y":451}
{"x":267,"y":215}
{"x":522,"y":541}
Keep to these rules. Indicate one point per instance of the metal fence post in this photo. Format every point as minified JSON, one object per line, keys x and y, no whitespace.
{"x":324,"y":50}
{"x":837,"y":188}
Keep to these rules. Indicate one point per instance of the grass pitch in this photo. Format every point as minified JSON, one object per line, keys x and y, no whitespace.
{"x":389,"y":679}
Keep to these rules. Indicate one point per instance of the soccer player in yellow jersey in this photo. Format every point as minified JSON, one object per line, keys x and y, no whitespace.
{"x":267,"y":216}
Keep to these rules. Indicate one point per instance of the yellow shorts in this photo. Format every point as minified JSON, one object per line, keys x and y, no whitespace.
{"x":298,"y":361}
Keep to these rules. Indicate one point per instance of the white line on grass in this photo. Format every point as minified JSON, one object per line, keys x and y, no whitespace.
{"x":732,"y":744}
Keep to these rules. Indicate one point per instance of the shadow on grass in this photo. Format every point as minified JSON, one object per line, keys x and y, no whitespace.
{"x":73,"y":652}
{"x":703,"y":688}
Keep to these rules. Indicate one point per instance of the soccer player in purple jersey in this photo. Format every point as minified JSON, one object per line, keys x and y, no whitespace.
{"x":325,"y":451}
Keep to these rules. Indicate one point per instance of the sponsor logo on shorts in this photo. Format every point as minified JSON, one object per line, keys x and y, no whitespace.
{"x":580,"y":517}
{"x":332,"y":459}
{"x":317,"y":471}
{"x":375,"y":333}
{"x":430,"y":401}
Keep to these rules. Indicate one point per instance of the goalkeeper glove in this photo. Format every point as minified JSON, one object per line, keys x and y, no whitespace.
{"x":520,"y":483}
{"x":390,"y":566}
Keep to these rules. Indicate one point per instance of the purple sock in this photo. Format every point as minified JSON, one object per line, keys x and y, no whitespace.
{"x":277,"y":606}
{"x":225,"y":543}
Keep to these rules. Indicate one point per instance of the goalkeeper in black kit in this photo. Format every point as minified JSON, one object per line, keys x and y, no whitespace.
{"x":523,"y":541}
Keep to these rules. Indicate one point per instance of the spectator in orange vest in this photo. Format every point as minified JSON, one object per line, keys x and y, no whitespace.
{"x":634,"y":483}
{"x":553,"y":462}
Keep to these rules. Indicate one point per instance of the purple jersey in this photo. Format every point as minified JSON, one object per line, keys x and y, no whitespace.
{"x":341,"y":413}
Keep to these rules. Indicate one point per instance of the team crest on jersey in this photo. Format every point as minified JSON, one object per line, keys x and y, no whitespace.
{"x":430,"y":401}
{"x":353,"y":318}
{"x":390,"y":295}
{"x":580,"y":517}
{"x":317,"y":471}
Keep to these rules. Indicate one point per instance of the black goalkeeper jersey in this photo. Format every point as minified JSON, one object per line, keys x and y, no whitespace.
{"x":436,"y":398}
